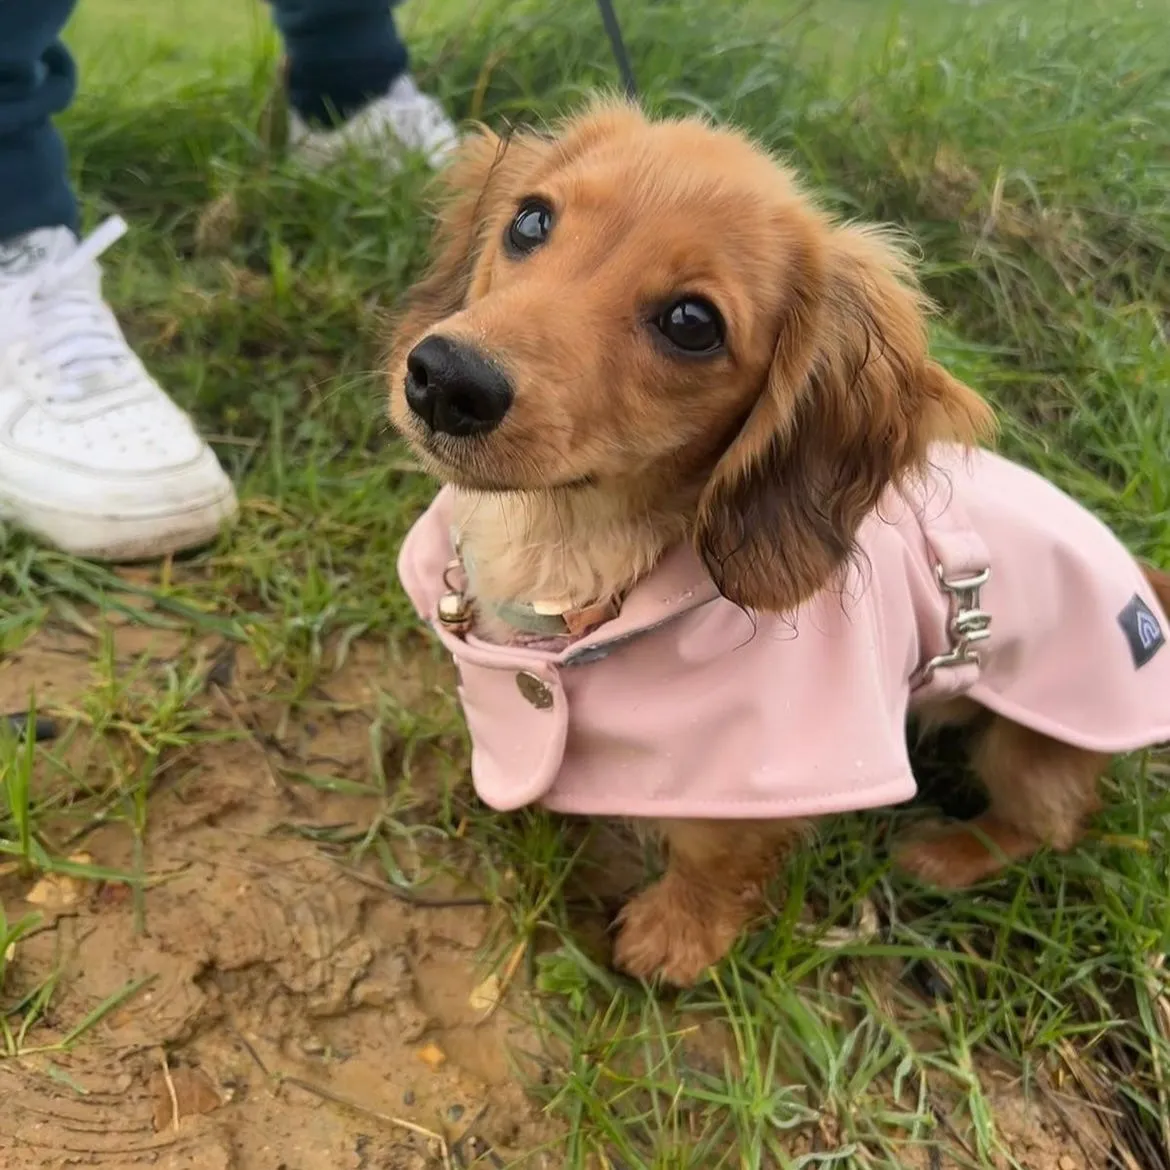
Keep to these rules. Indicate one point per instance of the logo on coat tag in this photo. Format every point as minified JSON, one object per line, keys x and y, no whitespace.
{"x":1142,"y":631}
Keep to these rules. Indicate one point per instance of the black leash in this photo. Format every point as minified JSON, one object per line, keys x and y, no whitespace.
{"x":614,"y":32}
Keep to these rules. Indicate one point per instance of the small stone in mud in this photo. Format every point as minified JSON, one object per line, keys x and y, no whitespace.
{"x":411,"y":1021}
{"x":374,"y":993}
{"x":312,"y":1046}
{"x":455,"y":1112}
{"x":408,"y":1098}
{"x":113,"y":893}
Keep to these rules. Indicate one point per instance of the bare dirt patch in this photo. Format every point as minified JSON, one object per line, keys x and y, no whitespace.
{"x":266,"y":968}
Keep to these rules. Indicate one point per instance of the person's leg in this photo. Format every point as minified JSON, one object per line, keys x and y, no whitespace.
{"x":94,"y":457}
{"x":341,"y":54}
{"x":37,"y":80}
{"x":349,"y":83}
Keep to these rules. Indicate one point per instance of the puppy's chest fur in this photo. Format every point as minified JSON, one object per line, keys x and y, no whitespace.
{"x":558,"y":552}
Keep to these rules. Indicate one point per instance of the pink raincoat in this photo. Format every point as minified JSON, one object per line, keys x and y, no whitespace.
{"x":685,"y":706}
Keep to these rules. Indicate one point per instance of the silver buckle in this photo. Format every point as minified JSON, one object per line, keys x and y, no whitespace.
{"x":968,"y":624}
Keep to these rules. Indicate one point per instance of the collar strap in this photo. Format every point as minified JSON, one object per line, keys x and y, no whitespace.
{"x":531,"y":619}
{"x":544,"y":619}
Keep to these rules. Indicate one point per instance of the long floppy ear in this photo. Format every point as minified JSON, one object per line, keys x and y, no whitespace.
{"x":486,"y":169}
{"x":851,"y":404}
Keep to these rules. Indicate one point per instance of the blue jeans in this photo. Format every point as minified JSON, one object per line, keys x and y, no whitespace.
{"x":341,"y":53}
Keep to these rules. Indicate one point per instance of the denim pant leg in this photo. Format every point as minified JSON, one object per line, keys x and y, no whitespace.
{"x":37,"y":80}
{"x":341,"y":53}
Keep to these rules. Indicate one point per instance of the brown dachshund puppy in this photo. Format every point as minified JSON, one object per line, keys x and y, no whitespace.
{"x":642,"y":335}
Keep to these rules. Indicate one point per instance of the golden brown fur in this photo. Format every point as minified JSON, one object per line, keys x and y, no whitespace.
{"x":766,"y":455}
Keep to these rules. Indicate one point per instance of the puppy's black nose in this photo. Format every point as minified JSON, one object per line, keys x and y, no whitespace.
{"x":454,"y":389}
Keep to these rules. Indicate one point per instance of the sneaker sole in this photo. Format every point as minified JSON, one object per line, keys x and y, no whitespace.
{"x":118,"y":539}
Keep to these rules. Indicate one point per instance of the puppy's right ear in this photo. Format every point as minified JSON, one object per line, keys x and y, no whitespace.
{"x":485,"y":172}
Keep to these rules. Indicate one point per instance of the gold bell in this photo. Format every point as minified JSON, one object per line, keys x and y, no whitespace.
{"x":455,"y":613}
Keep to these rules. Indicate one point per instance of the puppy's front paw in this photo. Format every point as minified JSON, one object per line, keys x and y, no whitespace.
{"x":667,"y":931}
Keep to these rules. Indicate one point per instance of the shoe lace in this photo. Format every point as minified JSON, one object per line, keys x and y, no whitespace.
{"x":76,"y":334}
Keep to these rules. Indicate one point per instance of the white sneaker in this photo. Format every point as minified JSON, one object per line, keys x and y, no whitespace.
{"x":402,"y":120}
{"x":94,"y":457}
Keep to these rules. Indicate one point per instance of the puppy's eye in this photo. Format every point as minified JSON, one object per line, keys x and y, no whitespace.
{"x":530,"y":228}
{"x":691,"y":324}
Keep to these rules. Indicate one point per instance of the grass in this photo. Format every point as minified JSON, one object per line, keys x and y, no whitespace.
{"x":1027,"y":149}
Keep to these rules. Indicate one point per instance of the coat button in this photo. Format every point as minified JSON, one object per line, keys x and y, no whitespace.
{"x":535,"y":690}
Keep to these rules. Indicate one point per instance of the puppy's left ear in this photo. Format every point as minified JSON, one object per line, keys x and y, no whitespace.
{"x":851,"y":405}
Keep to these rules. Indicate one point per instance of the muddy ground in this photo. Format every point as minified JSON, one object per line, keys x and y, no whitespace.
{"x":268,"y":964}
